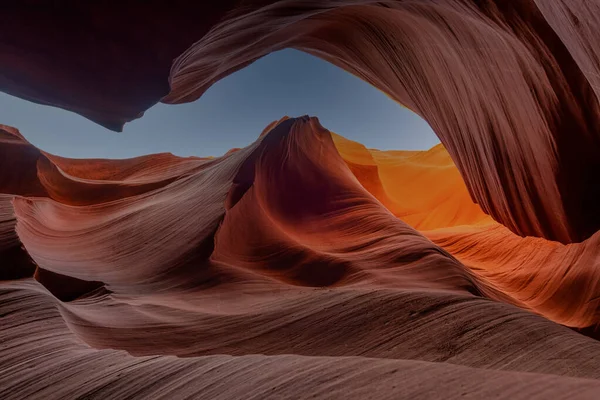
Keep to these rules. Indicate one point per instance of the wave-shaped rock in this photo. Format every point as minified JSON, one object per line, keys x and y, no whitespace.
{"x":42,"y":358}
{"x":424,"y":189}
{"x":288,"y":258}
{"x":306,"y":264}
{"x":510,"y":87}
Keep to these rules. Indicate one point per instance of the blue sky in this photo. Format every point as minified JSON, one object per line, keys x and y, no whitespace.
{"x":232,"y":114}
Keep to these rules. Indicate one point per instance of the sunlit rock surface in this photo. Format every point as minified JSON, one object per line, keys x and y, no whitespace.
{"x":510,"y":87}
{"x":306,"y":265}
{"x":291,"y":259}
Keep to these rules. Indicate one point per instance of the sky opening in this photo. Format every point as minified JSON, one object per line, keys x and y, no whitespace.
{"x":232,"y":113}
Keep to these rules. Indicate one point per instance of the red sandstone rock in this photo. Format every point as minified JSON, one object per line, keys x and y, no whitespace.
{"x":276,"y":249}
{"x":509,"y":87}
{"x":296,"y":244}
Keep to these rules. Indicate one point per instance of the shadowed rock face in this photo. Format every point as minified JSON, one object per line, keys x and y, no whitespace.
{"x":107,"y":61}
{"x":301,"y":247}
{"x":350,"y":271}
{"x":424,"y":189}
{"x":511,"y":88}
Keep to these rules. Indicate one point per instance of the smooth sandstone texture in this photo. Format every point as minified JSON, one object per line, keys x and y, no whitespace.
{"x":510,"y":87}
{"x":39,"y":350}
{"x":306,"y":265}
{"x":289,"y":268}
{"x":424,"y":189}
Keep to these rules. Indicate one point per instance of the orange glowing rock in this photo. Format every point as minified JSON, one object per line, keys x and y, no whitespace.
{"x":424,"y":189}
{"x":306,"y":264}
{"x":299,"y":248}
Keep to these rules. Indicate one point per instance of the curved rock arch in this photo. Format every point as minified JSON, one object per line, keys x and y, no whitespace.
{"x":511,"y":88}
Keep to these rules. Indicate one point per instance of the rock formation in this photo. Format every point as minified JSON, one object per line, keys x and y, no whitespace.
{"x":297,"y":244}
{"x":306,"y":265}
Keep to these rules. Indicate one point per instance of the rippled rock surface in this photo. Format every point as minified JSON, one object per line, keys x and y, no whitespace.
{"x":305,"y":264}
